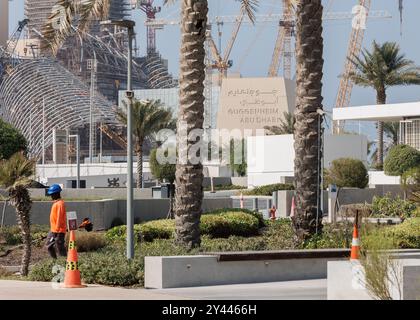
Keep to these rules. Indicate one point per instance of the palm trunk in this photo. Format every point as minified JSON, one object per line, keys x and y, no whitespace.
{"x":140,"y":165}
{"x":309,"y":64}
{"x":380,"y":99}
{"x":21,"y":200}
{"x":189,"y":176}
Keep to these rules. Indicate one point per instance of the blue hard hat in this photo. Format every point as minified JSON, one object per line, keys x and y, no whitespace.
{"x":55,"y":188}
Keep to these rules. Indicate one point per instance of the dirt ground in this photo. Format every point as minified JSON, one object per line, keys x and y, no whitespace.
{"x":14,"y":258}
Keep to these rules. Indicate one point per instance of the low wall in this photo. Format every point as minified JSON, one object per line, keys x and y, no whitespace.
{"x":96,"y":193}
{"x":103,"y":212}
{"x":346,"y":280}
{"x":208,"y":270}
{"x":345,"y":196}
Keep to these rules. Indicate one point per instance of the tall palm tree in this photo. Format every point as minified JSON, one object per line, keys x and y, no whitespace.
{"x":148,"y":117}
{"x":189,"y":176}
{"x":286,"y":126}
{"x":381,"y":68}
{"x":309,"y":64}
{"x":14,"y":176}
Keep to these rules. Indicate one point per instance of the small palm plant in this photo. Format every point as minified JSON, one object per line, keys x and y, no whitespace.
{"x":286,"y":126}
{"x":15,"y":176}
{"x":148,"y":118}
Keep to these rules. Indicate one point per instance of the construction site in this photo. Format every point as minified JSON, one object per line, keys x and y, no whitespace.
{"x":51,"y":98}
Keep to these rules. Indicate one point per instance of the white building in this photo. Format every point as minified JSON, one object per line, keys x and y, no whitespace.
{"x":271,"y":158}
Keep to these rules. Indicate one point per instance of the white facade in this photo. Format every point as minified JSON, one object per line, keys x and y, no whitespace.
{"x":271,"y":158}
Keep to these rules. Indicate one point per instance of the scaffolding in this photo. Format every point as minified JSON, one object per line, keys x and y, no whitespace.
{"x":40,"y":95}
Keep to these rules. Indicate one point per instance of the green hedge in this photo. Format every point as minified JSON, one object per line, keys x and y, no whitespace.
{"x":259,"y":216}
{"x":400,"y":159}
{"x":219,"y":224}
{"x":407,"y":234}
{"x":268,"y":190}
{"x":392,"y":207}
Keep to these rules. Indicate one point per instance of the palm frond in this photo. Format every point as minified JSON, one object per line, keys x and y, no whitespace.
{"x":16,"y":171}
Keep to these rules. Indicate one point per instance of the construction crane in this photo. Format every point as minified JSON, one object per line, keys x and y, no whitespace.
{"x":284,"y":42}
{"x":286,"y":22}
{"x":6,"y":55}
{"x":150,"y":10}
{"x":353,"y":50}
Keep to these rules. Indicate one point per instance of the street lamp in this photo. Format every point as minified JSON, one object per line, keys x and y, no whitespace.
{"x":129,"y":24}
{"x":77,"y":157}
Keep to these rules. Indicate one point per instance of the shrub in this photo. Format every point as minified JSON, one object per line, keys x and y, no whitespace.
{"x":43,"y":270}
{"x":117,"y":221}
{"x":389,"y":207}
{"x":89,"y":241}
{"x":158,"y":229}
{"x":347,"y":173}
{"x":336,"y":235}
{"x":10,"y":235}
{"x":349,"y":210}
{"x":410,"y":182}
{"x":268,"y":190}
{"x":259,"y":216}
{"x":229,"y":224}
{"x":406,"y":234}
{"x":220,"y":223}
{"x":400,"y":159}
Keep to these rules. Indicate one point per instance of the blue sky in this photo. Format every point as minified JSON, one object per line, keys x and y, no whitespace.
{"x":255,"y":44}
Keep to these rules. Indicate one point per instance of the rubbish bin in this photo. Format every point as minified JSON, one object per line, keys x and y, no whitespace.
{"x":156,"y":192}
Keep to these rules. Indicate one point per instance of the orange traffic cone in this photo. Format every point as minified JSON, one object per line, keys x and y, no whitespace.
{"x":72,"y":276}
{"x":355,"y":244}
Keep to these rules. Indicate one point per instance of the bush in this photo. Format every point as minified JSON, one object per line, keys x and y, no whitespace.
{"x":410,"y":182}
{"x":347,"y":173}
{"x":259,"y":216}
{"x":389,"y":207}
{"x":43,"y":270}
{"x":89,"y":241}
{"x":336,"y":235}
{"x":229,"y":224}
{"x":158,"y":229}
{"x":117,"y":221}
{"x":400,"y":159}
{"x":406,"y":234}
{"x":11,"y":236}
{"x":268,"y":190}
{"x":219,"y":223}
{"x":349,"y":210}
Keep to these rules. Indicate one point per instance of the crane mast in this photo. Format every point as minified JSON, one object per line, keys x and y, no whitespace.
{"x":353,"y":50}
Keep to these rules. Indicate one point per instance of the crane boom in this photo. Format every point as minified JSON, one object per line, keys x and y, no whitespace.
{"x":278,"y":51}
{"x":234,"y":36}
{"x":353,"y":50}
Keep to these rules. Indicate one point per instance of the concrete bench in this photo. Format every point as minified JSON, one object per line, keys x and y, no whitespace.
{"x":239,"y":267}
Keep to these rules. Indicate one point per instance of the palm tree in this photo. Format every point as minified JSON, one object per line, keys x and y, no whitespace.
{"x":391,"y":131}
{"x":286,"y":125}
{"x":189,"y":176}
{"x":380,"y":69}
{"x":309,"y":64}
{"x":14,"y":176}
{"x":148,"y":117}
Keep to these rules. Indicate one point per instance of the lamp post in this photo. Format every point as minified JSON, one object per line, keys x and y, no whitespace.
{"x":77,"y":158}
{"x":129,"y":24}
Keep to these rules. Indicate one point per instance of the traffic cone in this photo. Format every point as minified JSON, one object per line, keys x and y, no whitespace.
{"x":355,"y":244}
{"x":293,"y":208}
{"x":72,"y":276}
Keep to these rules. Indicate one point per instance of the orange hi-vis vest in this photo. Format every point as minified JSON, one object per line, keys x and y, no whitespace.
{"x":58,"y":219}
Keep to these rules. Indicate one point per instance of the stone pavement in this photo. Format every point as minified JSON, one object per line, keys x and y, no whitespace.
{"x":287,"y":290}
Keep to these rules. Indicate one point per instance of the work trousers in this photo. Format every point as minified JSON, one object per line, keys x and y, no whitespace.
{"x":56,"y":239}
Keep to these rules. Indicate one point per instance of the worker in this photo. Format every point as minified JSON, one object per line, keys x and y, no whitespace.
{"x":58,"y":223}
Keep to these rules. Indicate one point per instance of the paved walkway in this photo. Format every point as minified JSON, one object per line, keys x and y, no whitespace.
{"x":24,"y":290}
{"x":288,"y":290}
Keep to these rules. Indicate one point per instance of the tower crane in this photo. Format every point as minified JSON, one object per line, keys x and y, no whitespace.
{"x":6,"y":55}
{"x":353,"y":50}
{"x":284,"y":42}
{"x":150,"y":10}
